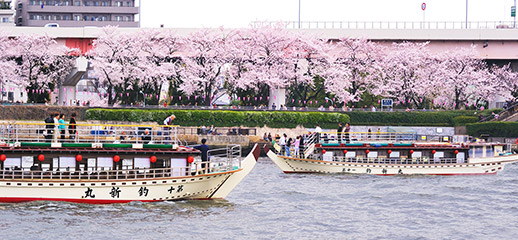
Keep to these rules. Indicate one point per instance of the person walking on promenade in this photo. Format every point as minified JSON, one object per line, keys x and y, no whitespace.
{"x":347,"y":130}
{"x":204,"y":149}
{"x":72,"y":127}
{"x":339,"y":132}
{"x":49,"y":126}
{"x":62,"y":126}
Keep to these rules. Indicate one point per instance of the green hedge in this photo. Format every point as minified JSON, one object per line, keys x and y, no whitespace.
{"x":463,"y":120}
{"x":221,"y":118}
{"x":439,"y":118}
{"x":493,"y":129}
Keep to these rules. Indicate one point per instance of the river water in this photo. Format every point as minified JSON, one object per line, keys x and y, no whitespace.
{"x":269,"y":204}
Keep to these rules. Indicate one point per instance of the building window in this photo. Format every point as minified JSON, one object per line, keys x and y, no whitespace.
{"x":128,"y":4}
{"x":66,"y":17}
{"x":96,"y":3}
{"x":87,"y":3}
{"x":20,"y":20}
{"x":128,"y":18}
{"x":77,"y":18}
{"x":119,"y":4}
{"x":118,"y":18}
{"x":49,"y":2}
{"x":5,"y":20}
{"x":105,"y":4}
{"x":77,"y":3}
{"x":33,"y":2}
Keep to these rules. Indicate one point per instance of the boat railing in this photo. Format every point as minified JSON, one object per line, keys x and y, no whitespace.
{"x":226,"y":159}
{"x":11,"y":132}
{"x":416,"y":161}
{"x":125,"y":174}
{"x":333,"y":137}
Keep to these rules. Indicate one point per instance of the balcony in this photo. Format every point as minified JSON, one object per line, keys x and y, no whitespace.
{"x":81,"y":9}
{"x":70,"y":23}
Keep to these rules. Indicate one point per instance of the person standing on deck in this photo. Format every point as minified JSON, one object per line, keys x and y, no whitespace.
{"x":168,"y":121}
{"x":49,"y":126}
{"x":296,"y":146}
{"x":204,"y":149}
{"x":72,"y":127}
{"x":282,"y":143}
{"x":347,"y":130}
{"x":318,"y":130}
{"x":56,"y":124}
{"x":62,"y":126}
{"x":339,"y":132}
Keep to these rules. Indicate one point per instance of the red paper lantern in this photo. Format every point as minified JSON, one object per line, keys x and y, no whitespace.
{"x":367,"y":151}
{"x":433,"y":151}
{"x":3,"y":157}
{"x":456,"y":152}
{"x":389,"y":151}
{"x":79,"y":158}
{"x":116,"y":158}
{"x":345,"y":151}
{"x":190,"y":159}
{"x":152,"y":159}
{"x":324,"y":151}
{"x":41,"y":157}
{"x":411,"y":151}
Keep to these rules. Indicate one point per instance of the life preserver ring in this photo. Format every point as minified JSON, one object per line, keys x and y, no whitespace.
{"x":516,"y":141}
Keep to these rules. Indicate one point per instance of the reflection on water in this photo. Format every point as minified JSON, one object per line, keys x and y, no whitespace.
{"x":271,"y":204}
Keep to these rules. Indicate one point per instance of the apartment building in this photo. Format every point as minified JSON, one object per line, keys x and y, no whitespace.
{"x":76,"y":13}
{"x":6,"y":13}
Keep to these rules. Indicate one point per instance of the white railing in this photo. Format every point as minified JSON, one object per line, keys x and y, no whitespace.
{"x":392,"y":25}
{"x":88,"y":133}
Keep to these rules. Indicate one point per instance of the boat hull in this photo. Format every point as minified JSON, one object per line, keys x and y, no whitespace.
{"x":207,"y":186}
{"x":481,"y":167}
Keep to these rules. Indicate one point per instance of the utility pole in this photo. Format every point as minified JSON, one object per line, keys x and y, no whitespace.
{"x":466,"y":14}
{"x":299,"y":12}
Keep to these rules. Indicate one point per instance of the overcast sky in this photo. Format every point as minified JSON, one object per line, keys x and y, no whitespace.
{"x":239,"y":13}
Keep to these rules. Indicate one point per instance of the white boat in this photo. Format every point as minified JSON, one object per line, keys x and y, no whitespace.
{"x":394,"y":158}
{"x":141,"y":165}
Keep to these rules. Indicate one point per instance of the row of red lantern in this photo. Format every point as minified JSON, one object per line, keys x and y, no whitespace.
{"x":390,"y":151}
{"x":79,"y":158}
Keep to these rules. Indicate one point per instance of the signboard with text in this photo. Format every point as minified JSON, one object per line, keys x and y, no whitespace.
{"x":387,"y":102}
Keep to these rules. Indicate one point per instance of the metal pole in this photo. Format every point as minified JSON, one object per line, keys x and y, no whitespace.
{"x":466,"y":14}
{"x":299,"y":14}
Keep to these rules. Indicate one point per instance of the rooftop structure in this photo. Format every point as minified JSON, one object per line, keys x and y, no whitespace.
{"x":6,"y":13}
{"x":76,"y":13}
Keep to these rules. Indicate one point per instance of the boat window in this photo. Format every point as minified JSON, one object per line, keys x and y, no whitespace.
{"x":179,"y":166}
{"x":394,"y":154}
{"x":104,"y":163}
{"x":12,"y":162}
{"x":142,"y":163}
{"x":372,"y":154}
{"x":489,"y":152}
{"x":461,"y":157}
{"x":350,"y":154}
{"x":127,"y":163}
{"x":328,"y":156}
{"x":67,"y":163}
{"x":27,"y":161}
{"x":478,"y":152}
{"x":91,"y":164}
{"x":417,"y":154}
{"x":438,"y":155}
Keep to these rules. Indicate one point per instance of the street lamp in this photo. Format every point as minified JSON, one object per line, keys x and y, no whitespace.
{"x":332,"y":103}
{"x":143,"y":99}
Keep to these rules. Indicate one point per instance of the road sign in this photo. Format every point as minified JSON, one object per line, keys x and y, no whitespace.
{"x":513,"y":11}
{"x":386,"y":102}
{"x":423,"y":6}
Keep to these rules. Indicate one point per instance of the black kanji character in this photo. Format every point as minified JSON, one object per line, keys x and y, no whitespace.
{"x":115,"y":192}
{"x":143,"y":191}
{"x":89,"y":193}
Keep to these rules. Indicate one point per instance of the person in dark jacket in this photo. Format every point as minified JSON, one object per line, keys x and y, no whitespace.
{"x":204,"y":149}
{"x":72,"y":127}
{"x":339,"y":132}
{"x":49,"y":126}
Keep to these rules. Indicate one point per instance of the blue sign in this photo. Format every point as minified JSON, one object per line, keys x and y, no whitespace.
{"x":386,"y":102}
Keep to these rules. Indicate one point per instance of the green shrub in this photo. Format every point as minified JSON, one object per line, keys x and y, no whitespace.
{"x":463,"y":120}
{"x":438,"y":118}
{"x":222,"y":118}
{"x":493,"y":129}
